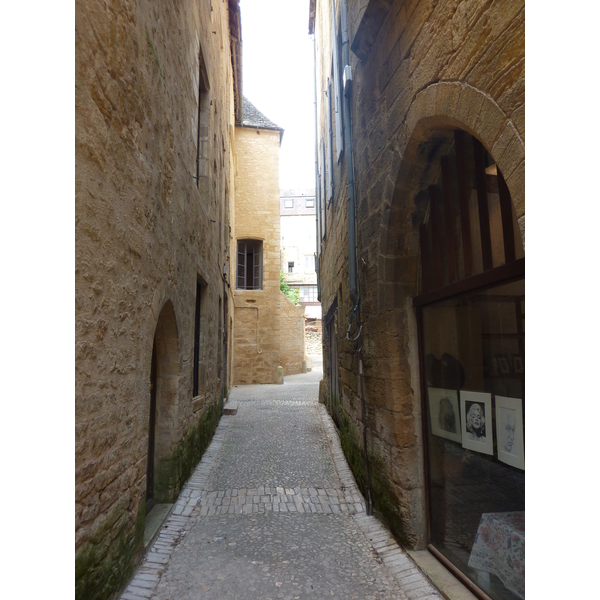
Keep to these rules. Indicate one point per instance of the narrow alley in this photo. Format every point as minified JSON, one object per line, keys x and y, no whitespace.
{"x":273,"y":511}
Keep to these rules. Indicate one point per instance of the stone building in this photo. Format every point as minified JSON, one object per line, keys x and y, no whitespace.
{"x":421,"y":219}
{"x":158,"y":86}
{"x":268,"y":328}
{"x":298,"y":246}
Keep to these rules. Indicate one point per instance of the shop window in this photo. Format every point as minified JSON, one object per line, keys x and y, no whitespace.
{"x":249,"y":265}
{"x":471,"y":314}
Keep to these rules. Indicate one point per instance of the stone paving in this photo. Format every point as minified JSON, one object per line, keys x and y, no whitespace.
{"x":273,"y":512}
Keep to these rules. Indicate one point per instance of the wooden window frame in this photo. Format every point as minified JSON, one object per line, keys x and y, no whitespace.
{"x":243,"y":246}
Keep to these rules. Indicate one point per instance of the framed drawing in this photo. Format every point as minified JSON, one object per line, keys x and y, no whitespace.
{"x":509,"y":431}
{"x":444,"y":413}
{"x":476,"y":422}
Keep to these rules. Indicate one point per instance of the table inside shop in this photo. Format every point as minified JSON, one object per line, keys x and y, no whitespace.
{"x":499,"y":549}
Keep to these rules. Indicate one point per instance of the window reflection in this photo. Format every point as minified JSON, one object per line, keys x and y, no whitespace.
{"x":474,"y":348}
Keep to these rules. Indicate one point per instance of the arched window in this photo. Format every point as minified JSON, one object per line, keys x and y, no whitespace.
{"x":471,"y":315}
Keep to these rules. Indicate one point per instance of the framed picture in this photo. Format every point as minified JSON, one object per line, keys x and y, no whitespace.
{"x":519,"y":364}
{"x":503,"y":365}
{"x":509,"y":431}
{"x":476,"y":422}
{"x":444,"y":413}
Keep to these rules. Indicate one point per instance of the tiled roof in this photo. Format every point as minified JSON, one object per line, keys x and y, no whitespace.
{"x":252,"y":117}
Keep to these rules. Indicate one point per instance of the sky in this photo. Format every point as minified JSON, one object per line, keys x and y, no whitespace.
{"x":278,"y":79}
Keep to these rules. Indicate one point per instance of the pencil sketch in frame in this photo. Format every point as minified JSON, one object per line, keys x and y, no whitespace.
{"x":476,"y":422}
{"x":444,"y":413}
{"x":509,"y":431}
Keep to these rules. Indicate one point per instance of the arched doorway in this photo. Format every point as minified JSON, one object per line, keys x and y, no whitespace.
{"x":163,"y":421}
{"x":151,"y":433}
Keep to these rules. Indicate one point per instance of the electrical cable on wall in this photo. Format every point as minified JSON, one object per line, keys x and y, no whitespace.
{"x":358,"y":337}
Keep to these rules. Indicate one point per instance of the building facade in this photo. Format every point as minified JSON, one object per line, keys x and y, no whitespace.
{"x":157,"y":90}
{"x":421,"y":225}
{"x":268,"y":328}
{"x":298,"y":247}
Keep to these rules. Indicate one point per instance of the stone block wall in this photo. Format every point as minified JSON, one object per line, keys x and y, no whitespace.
{"x":424,"y":66}
{"x":257,"y":321}
{"x":292,"y":349}
{"x":146,"y":232}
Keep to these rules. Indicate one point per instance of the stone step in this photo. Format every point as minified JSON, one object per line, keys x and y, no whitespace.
{"x":230,"y":408}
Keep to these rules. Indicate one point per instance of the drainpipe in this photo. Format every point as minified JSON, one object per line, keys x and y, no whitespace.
{"x":352,"y":275}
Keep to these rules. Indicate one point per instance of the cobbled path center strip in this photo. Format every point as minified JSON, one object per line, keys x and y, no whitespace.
{"x":273,"y":512}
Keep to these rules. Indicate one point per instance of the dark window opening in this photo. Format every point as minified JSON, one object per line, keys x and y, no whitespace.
{"x":249,"y":265}
{"x":202,"y":129}
{"x":197,"y":340}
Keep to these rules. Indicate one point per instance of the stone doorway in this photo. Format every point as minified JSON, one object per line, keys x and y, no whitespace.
{"x":333,"y":370}
{"x":151,"y":432}
{"x":163,"y":418}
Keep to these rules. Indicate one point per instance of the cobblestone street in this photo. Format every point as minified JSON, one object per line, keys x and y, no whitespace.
{"x":273,"y":512}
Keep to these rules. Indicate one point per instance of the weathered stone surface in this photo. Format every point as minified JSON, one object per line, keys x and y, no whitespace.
{"x":433,"y":66}
{"x":145,"y":231}
{"x":257,"y":330}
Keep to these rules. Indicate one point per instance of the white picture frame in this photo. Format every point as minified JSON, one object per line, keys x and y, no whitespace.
{"x":509,"y":431}
{"x":444,"y":413}
{"x":477,"y":422}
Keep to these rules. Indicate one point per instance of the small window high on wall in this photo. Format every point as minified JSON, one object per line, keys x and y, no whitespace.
{"x":249,"y":265}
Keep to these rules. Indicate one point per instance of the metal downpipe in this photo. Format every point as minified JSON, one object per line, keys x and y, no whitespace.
{"x":352,"y":274}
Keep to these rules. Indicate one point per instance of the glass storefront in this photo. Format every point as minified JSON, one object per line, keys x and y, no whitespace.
{"x":474,"y":371}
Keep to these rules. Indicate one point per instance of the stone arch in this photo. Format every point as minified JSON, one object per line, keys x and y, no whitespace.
{"x":426,"y":135}
{"x":160,"y":335}
{"x":165,"y":422}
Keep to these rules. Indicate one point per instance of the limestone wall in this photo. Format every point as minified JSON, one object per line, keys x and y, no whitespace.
{"x":292,"y":350}
{"x":424,"y":65}
{"x":146,"y":231}
{"x":257,"y":322}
